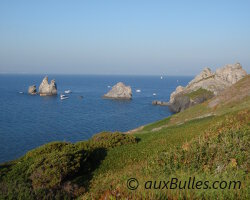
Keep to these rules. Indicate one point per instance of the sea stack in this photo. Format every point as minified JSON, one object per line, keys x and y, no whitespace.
{"x":205,"y":85}
{"x":32,"y":89}
{"x":46,"y":89}
{"x":119,"y":91}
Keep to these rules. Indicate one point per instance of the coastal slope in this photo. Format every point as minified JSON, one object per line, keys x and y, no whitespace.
{"x":208,"y":141}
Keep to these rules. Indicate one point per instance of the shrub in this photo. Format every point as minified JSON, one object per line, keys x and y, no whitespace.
{"x":51,"y":171}
{"x":53,"y":163}
{"x":107,"y":140}
{"x":221,"y":143}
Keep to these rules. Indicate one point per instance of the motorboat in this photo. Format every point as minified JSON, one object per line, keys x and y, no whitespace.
{"x":67,"y":91}
{"x":154,"y":94}
{"x":138,"y":90}
{"x":62,"y":97}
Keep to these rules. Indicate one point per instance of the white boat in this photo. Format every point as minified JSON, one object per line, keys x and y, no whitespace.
{"x":138,"y":90}
{"x":67,"y":91}
{"x":161,"y":77}
{"x":109,"y":86}
{"x":62,"y":98}
{"x":154,"y":94}
{"x":20,"y":92}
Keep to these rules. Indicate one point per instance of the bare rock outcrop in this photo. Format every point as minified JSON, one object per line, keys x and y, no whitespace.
{"x":46,"y":89}
{"x":208,"y":84}
{"x":32,"y":89}
{"x":119,"y":91}
{"x":160,"y":103}
{"x":234,"y":93}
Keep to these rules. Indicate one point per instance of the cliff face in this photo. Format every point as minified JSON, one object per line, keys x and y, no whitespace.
{"x":235,"y":93}
{"x":211,"y":83}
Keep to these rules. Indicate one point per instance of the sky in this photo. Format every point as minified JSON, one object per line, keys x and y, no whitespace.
{"x":136,"y":37}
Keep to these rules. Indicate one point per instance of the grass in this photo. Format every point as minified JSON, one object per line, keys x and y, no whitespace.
{"x":160,"y":156}
{"x":200,"y":93}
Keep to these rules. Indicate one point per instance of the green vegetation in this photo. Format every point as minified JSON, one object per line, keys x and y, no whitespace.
{"x":200,"y":93}
{"x":57,"y":170}
{"x":208,"y":143}
{"x":190,"y":149}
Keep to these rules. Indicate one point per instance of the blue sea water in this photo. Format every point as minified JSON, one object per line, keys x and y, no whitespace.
{"x":30,"y":121}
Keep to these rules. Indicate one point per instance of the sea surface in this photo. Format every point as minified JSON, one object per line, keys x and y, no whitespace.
{"x":29,"y":121}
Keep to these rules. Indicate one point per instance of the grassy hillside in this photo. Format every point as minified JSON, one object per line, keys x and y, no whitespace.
{"x":209,"y":141}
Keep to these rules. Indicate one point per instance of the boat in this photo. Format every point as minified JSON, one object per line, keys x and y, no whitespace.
{"x":161,"y":77}
{"x":67,"y":91}
{"x":154,"y":94}
{"x":62,"y":97}
{"x":138,"y":90}
{"x":20,"y":92}
{"x":109,"y":86}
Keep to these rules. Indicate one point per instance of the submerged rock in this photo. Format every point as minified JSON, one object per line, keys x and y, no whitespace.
{"x":46,"y":89}
{"x":119,"y":91}
{"x":32,"y":89}
{"x":210,"y":83}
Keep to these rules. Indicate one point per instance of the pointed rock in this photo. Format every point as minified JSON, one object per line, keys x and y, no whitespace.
{"x":46,"y":89}
{"x":32,"y":89}
{"x":119,"y":91}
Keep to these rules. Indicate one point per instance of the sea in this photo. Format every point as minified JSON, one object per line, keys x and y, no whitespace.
{"x":27,"y":121}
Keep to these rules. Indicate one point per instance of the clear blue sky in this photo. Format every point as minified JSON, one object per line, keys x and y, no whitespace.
{"x":123,"y":37}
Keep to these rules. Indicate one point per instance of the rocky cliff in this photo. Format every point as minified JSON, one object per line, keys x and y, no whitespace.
{"x":46,"y":89}
{"x":205,"y":85}
{"x":119,"y":91}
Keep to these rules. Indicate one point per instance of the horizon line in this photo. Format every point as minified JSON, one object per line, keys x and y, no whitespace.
{"x":91,"y":74}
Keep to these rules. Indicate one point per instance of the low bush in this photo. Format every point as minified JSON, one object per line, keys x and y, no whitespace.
{"x":220,"y":145}
{"x":50,"y":171}
{"x":221,"y":152}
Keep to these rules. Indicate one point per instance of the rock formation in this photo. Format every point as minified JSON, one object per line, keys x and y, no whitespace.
{"x":180,"y":103}
{"x":205,"y":86}
{"x":46,"y":89}
{"x":32,"y":89}
{"x":119,"y":91}
{"x":160,"y":103}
